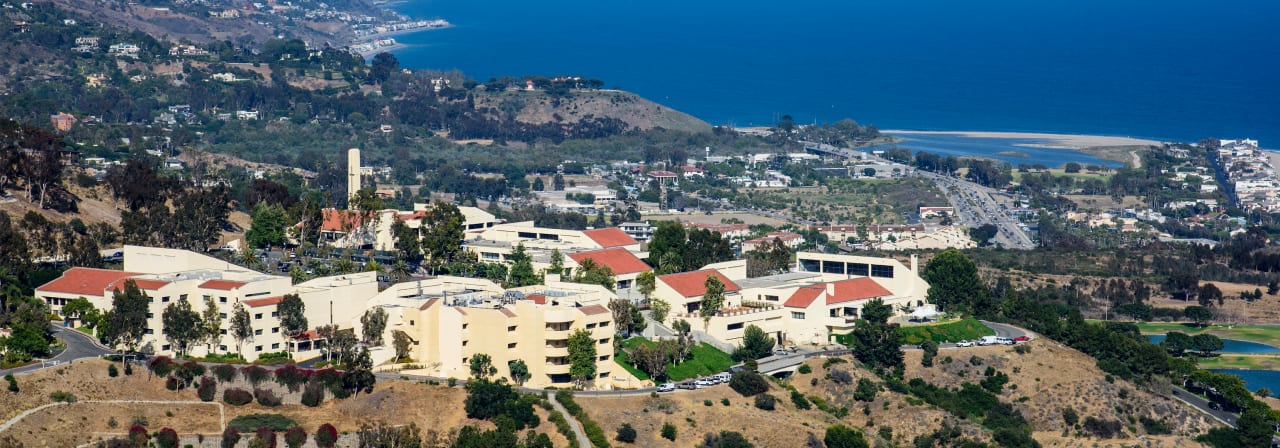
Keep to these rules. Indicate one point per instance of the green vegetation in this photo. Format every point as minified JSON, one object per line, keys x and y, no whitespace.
{"x":961,"y":330}
{"x":1264,"y":334}
{"x":1232,"y":361}
{"x":705,"y":360}
{"x":251,"y":422}
{"x":594,"y":432}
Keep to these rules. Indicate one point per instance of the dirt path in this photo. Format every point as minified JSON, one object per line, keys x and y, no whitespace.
{"x":578,"y":433}
{"x":222,"y":414}
{"x":1137,"y":159}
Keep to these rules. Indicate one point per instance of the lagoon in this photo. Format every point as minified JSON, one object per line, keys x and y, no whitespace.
{"x":1231,"y":346}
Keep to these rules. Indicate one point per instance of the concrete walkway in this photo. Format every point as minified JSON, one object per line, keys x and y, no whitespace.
{"x":578,"y":433}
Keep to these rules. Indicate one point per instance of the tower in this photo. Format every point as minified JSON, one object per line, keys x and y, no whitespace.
{"x":353,"y":174}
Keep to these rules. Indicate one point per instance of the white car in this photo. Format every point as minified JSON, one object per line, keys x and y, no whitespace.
{"x":964,"y":344}
{"x":704,"y":382}
{"x":666,"y":387}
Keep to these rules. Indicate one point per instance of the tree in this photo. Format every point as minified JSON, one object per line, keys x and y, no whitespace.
{"x":841,"y":436}
{"x":1071,"y":167}
{"x":876,"y":342}
{"x":668,"y":238}
{"x":1206,"y":343}
{"x":443,"y":227}
{"x":621,"y":309}
{"x":1176,"y":342}
{"x":557,"y":182}
{"x":293,"y":317}
{"x":326,"y":436}
{"x":408,"y":248}
{"x":182,"y":325}
{"x":212,"y":328}
{"x":930,"y":349}
{"x":669,"y":431}
{"x":954,"y":284}
{"x":712,"y":300}
{"x":756,"y":344}
{"x":659,"y":309}
{"x":295,"y":437}
{"x":268,"y":226}
{"x":592,"y":273}
{"x":726,"y":439}
{"x":372,"y":324}
{"x":482,"y":366}
{"x":647,"y":282}
{"x":74,"y":310}
{"x":382,"y":66}
{"x":1209,"y":293}
{"x":383,"y":435}
{"x":582,"y":358}
{"x":1198,"y":314}
{"x":521,"y":273}
{"x":359,"y":374}
{"x":400,"y":340}
{"x":127,"y":321}
{"x":519,"y":371}
{"x":983,"y":234}
{"x":241,"y":327}
{"x":626,"y":434}
{"x":557,"y":263}
{"x":538,"y":185}
{"x":771,"y":258}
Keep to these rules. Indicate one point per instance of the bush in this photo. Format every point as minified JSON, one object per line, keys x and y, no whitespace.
{"x":866,"y":390}
{"x":112,"y":371}
{"x":799,"y":400}
{"x":594,"y":432}
{"x":266,"y":397}
{"x":60,"y":396}
{"x":766,"y":402}
{"x":841,"y":377}
{"x":253,"y":422}
{"x":230,"y":437}
{"x":128,"y":369}
{"x":748,"y":383}
{"x":208,"y":389}
{"x":326,"y":436}
{"x":225,"y":373}
{"x":833,"y":361}
{"x":254,"y":375}
{"x":264,"y":438}
{"x":292,"y":377}
{"x":167,"y":438}
{"x":13,"y":383}
{"x":237,"y":397}
{"x":313,"y":394}
{"x":1102,"y":429}
{"x":562,"y":426}
{"x":724,"y":401}
{"x":172,"y":383}
{"x":804,"y":369}
{"x":626,"y":434}
{"x":160,"y":366}
{"x":295,"y":437}
{"x":1155,"y":427}
{"x":190,"y":371}
{"x":669,"y":431}
{"x":706,"y":403}
{"x":841,"y":436}
{"x":138,"y":435}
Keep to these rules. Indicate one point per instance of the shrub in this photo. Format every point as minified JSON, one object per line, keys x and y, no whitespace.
{"x":13,"y":383}
{"x":866,"y":390}
{"x":292,"y":377}
{"x":1102,"y":429}
{"x":266,"y":397}
{"x":161,"y":366}
{"x":562,"y":426}
{"x":295,"y":437}
{"x":766,"y":402}
{"x":841,"y":436}
{"x":254,"y":375}
{"x":208,"y":389}
{"x":167,"y":438}
{"x":748,"y":383}
{"x":230,"y":437}
{"x":128,"y":369}
{"x":669,"y":431}
{"x":313,"y":394}
{"x":326,"y":436}
{"x":841,"y":377}
{"x":172,"y":383}
{"x":190,"y":370}
{"x":253,"y":422}
{"x":138,"y":435}
{"x":65,"y":397}
{"x":706,"y":403}
{"x":1155,"y":427}
{"x":833,"y":361}
{"x":1070,"y":417}
{"x":237,"y":397}
{"x":804,"y":369}
{"x":724,"y":401}
{"x":264,"y":438}
{"x":626,"y":434}
{"x":225,"y":373}
{"x":112,"y":371}
{"x":799,"y":400}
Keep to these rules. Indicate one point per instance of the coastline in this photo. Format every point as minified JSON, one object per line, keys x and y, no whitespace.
{"x":1049,"y":141}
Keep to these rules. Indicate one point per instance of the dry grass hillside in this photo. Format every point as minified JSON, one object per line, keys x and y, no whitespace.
{"x":435,"y":409}
{"x":1042,"y":383}
{"x":637,"y":112}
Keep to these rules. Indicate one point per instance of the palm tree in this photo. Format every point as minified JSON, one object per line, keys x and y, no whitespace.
{"x":345,"y":266}
{"x":249,"y":258}
{"x":399,"y":270}
{"x":374,"y":267}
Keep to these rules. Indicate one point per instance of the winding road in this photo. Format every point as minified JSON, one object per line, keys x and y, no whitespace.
{"x":79,"y":346}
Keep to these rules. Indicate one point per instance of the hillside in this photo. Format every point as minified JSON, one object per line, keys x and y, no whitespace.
{"x":636,"y":112}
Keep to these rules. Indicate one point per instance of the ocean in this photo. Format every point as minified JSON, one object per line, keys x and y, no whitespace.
{"x":1166,"y":70}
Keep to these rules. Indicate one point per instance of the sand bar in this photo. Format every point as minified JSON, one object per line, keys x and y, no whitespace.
{"x":1053,"y":141}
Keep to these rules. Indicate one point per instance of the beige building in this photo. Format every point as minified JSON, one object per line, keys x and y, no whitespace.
{"x":347,"y":229}
{"x":167,"y":276}
{"x":451,"y":319}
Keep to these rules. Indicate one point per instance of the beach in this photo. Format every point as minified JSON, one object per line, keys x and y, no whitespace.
{"x":1048,"y":141}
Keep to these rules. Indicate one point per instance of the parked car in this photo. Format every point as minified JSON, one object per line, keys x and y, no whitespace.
{"x":964,"y":344}
{"x":687,"y":385}
{"x":666,"y":387}
{"x":780,"y":352}
{"x":724,"y":377}
{"x":989,"y":340}
{"x":704,"y":382}
{"x":1022,"y":339}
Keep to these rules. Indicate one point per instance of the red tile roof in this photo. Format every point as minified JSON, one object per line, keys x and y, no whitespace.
{"x":84,"y":281}
{"x":619,"y":260}
{"x":429,"y":304}
{"x":537,"y":298}
{"x":610,"y":237}
{"x":592,"y":310}
{"x":661,"y":174}
{"x":844,"y":291}
{"x":143,"y":284}
{"x":507,"y":312}
{"x":334,"y":220}
{"x":693,"y":284}
{"x":254,"y":303}
{"x":225,"y":285}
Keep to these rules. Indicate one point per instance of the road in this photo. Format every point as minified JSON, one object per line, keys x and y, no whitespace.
{"x":79,"y":346}
{"x":975,"y":206}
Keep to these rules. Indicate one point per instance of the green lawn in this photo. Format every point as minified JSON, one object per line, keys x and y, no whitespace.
{"x":706,"y":360}
{"x":960,"y":330}
{"x":1265,"y":334}
{"x":1233,"y":361}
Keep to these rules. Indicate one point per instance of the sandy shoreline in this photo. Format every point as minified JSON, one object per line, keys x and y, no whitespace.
{"x":1049,"y":141}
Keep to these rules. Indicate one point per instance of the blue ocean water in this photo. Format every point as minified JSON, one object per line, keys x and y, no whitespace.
{"x":1169,"y":70}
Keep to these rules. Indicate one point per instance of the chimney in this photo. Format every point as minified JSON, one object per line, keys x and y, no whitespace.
{"x":915,"y":264}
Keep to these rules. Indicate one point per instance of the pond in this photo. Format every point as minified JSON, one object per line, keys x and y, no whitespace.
{"x":1257,"y":379}
{"x":1230,"y":345}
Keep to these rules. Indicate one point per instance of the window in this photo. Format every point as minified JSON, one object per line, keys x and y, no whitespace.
{"x":590,"y":326}
{"x":511,"y":345}
{"x":165,"y":299}
{"x":257,"y":348}
{"x":797,"y":315}
{"x":275,"y":314}
{"x":511,"y":328}
{"x":208,"y":298}
{"x":464,"y":326}
{"x":604,"y":341}
{"x":257,"y":316}
{"x":604,"y":358}
{"x":257,"y":332}
{"x":604,"y":374}
{"x":275,"y":346}
{"x":604,"y":324}
{"x":411,"y":323}
{"x":222,"y":315}
{"x":151,"y":300}
{"x":222,"y":300}
{"x":464,"y":343}
{"x":858,"y":269}
{"x":737,"y":326}
{"x":882,"y":271}
{"x":275,"y":330}
{"x":182,"y":297}
{"x":771,"y":298}
{"x":148,"y":331}
{"x":222,"y":348}
{"x":151,"y":315}
{"x":223,"y":331}
{"x":529,"y":235}
{"x":164,"y":347}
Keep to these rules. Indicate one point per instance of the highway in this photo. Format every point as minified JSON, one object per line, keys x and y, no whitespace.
{"x":975,"y":207}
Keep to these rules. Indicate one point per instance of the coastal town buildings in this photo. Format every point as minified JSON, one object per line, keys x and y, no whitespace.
{"x":1251,"y":173}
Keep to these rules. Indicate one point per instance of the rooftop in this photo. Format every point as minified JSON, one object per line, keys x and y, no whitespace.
{"x":693,"y":284}
{"x":620,"y":261}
